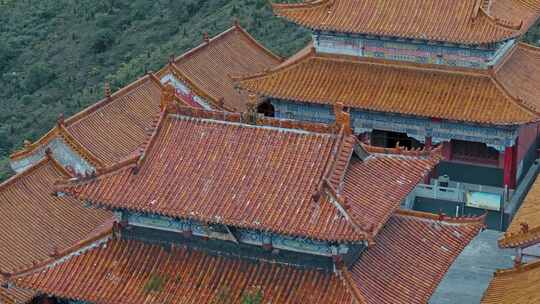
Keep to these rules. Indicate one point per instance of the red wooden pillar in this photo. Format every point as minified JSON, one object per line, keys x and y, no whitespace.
{"x":428,"y":145}
{"x":447,"y":150}
{"x":510,"y":167}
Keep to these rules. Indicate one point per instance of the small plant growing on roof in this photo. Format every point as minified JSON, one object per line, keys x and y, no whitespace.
{"x":155,"y":283}
{"x":253,"y":295}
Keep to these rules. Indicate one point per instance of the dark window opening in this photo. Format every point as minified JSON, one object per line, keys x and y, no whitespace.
{"x":389,"y":139}
{"x":266,"y":108}
{"x":474,"y":151}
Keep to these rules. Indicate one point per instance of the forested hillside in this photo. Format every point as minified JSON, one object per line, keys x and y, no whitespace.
{"x":56,"y":54}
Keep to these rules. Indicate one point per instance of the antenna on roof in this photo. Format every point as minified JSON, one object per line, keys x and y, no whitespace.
{"x":167,"y":97}
{"x":236,"y":22}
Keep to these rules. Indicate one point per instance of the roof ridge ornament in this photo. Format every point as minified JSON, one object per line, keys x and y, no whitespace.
{"x":342,"y":118}
{"x":167,"y":97}
{"x":60,"y":120}
{"x":107,"y":90}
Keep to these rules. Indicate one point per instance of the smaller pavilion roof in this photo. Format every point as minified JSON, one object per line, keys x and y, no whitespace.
{"x":524,"y":230}
{"x":37,"y":224}
{"x":207,"y":68}
{"x":463,"y":22}
{"x":109,"y":130}
{"x":314,"y":185}
{"x":504,"y":95}
{"x":404,"y":267}
{"x":411,"y":255}
{"x":519,"y":285}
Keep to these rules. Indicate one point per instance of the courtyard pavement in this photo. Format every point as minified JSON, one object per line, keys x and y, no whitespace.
{"x":469,"y":276}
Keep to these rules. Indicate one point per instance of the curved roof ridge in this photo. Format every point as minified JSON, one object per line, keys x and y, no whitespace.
{"x":328,"y":183}
{"x":404,"y":65}
{"x":520,"y":239}
{"x":472,"y":220}
{"x":402,"y":151}
{"x":524,"y":105}
{"x":312,"y":55}
{"x":257,"y":43}
{"x":281,"y":67}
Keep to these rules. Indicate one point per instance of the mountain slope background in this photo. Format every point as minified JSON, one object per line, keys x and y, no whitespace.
{"x":55,"y":55}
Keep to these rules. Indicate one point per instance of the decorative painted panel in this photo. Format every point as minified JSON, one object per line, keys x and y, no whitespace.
{"x":409,"y":50}
{"x":246,"y":236}
{"x":61,"y":152}
{"x":416,"y":127}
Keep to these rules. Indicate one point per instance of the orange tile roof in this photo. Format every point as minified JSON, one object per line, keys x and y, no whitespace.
{"x":207,"y":69}
{"x":111,"y":129}
{"x":116,"y":127}
{"x":404,"y":267}
{"x":520,"y":75}
{"x":520,"y":285}
{"x":125,"y":271}
{"x":35,"y":223}
{"x":410,"y":257}
{"x":464,"y":22}
{"x":220,"y":166}
{"x":412,"y":89}
{"x":524,"y":230}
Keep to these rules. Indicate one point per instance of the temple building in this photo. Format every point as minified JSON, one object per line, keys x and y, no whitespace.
{"x":422,"y":74}
{"x":235,"y":176}
{"x":227,"y":207}
{"x":113,"y":128}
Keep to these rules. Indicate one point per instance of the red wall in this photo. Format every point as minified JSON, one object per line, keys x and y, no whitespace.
{"x":528,"y":135}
